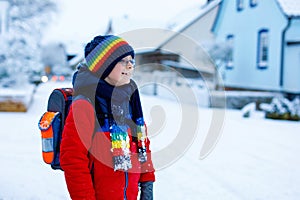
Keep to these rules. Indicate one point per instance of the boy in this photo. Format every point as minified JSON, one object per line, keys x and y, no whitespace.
{"x":105,"y":149}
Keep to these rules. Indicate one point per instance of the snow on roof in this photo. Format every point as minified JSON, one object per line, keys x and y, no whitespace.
{"x":178,"y":64}
{"x":14,"y":94}
{"x":290,"y":7}
{"x":180,"y":20}
{"x":189,"y":15}
{"x":121,"y":24}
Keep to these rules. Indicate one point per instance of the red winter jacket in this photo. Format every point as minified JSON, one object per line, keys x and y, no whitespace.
{"x":91,"y":175}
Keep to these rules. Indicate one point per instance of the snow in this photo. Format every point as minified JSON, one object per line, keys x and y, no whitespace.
{"x":187,"y":16}
{"x":290,"y":7}
{"x":255,"y":158}
{"x":22,"y":94}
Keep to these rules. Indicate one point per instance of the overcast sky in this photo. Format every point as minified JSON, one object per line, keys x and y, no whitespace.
{"x":82,"y":19}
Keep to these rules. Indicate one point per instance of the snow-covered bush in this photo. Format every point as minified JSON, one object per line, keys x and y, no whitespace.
{"x":295,"y":111}
{"x":282,"y":108}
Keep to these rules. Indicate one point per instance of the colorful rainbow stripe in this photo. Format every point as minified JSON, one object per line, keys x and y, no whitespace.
{"x":120,"y":141}
{"x":106,"y":53}
{"x":120,"y":148}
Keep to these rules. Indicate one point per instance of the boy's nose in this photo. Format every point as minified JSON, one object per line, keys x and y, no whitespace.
{"x":129,"y":66}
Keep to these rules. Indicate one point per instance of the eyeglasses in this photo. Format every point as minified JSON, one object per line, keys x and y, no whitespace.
{"x":125,"y":63}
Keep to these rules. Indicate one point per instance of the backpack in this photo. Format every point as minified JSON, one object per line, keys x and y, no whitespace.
{"x":51,"y":124}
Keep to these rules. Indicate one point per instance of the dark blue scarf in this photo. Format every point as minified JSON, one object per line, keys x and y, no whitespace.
{"x":117,"y":109}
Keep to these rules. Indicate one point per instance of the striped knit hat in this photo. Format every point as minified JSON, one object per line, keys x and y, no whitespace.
{"x":104,"y":52}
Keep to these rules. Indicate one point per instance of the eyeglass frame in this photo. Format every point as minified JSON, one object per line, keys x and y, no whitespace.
{"x":125,"y":63}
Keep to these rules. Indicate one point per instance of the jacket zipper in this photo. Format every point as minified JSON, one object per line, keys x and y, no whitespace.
{"x":92,"y":172}
{"x":126,"y":185}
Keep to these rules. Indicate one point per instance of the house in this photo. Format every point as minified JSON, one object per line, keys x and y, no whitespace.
{"x":196,"y":24}
{"x":265,"y":44}
{"x":183,"y":37}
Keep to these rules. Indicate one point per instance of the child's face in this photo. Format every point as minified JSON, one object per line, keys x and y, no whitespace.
{"x":122,"y":72}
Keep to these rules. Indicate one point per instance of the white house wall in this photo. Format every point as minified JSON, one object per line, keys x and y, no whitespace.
{"x":245,"y":25}
{"x":291,"y":78}
{"x":191,"y":52}
{"x":200,"y":31}
{"x":196,"y":33}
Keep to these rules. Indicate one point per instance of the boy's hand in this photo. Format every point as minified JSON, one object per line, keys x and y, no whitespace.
{"x":146,"y":190}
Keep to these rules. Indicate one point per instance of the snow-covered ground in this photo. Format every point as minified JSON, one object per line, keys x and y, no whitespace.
{"x":255,"y":158}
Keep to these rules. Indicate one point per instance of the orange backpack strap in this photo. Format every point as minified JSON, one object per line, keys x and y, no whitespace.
{"x":46,"y":126}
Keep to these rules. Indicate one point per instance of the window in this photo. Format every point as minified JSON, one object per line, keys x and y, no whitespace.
{"x":239,"y":5}
{"x":229,"y":57}
{"x":263,"y":48}
{"x":253,"y":3}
